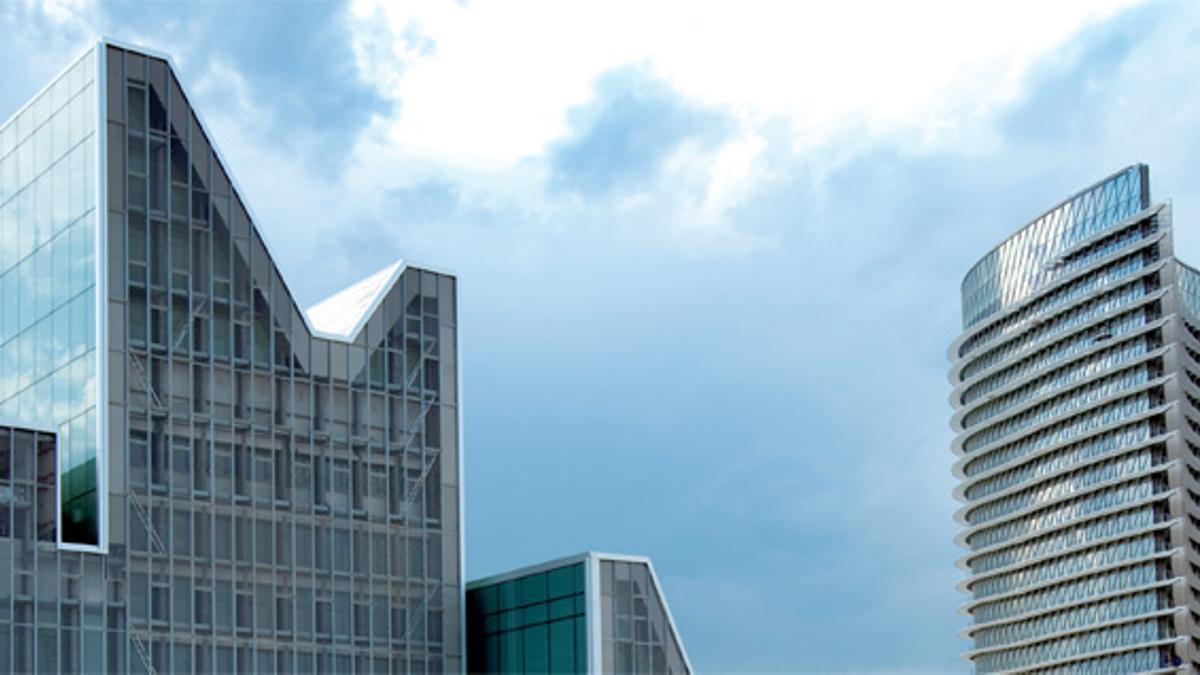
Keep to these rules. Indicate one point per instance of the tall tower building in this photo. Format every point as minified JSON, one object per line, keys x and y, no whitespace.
{"x":195,"y":473}
{"x":1077,"y":418}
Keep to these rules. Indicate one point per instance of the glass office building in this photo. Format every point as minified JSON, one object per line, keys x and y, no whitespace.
{"x":590,"y":613}
{"x":196,"y":474}
{"x":1077,"y":418}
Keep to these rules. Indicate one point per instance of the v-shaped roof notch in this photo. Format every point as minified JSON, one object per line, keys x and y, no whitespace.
{"x":342,"y":315}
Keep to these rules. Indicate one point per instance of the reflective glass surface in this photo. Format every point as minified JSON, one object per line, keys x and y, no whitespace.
{"x":48,"y":333}
{"x":1188,"y":280}
{"x":536,"y":623}
{"x":1030,"y":259}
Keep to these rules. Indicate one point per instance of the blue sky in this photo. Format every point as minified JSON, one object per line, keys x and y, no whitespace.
{"x":709,"y":256}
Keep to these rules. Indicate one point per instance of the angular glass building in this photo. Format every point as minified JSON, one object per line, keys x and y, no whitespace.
{"x":1077,"y":413}
{"x":196,"y":474}
{"x":590,"y":613}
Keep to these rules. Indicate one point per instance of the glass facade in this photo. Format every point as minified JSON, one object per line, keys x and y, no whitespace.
{"x":49,"y":364}
{"x":637,"y":636}
{"x":278,"y":501}
{"x":1069,"y":431}
{"x":1034,"y":257}
{"x":587,"y":614}
{"x":534,"y":623}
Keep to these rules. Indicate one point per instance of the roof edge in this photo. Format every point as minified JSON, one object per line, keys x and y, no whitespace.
{"x":398,"y":266}
{"x":255,"y":221}
{"x":526,"y":570}
{"x":1142,"y":167}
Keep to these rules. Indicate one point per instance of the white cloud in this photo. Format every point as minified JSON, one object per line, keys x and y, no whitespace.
{"x":483,"y":89}
{"x":63,"y":12}
{"x":499,"y":78}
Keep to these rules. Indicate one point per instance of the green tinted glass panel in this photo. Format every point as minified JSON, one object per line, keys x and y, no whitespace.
{"x":531,"y":624}
{"x":562,"y":646}
{"x":536,"y":642}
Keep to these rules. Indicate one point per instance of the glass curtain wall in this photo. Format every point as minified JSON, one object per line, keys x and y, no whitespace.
{"x":48,"y":337}
{"x":279,"y":502}
{"x":536,"y":623}
{"x":290,"y":502}
{"x":636,"y":635}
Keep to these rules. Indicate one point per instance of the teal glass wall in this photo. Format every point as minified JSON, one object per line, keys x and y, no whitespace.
{"x":532,"y":624}
{"x":48,"y":336}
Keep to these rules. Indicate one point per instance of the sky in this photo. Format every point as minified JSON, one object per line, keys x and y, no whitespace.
{"x":709,"y":255}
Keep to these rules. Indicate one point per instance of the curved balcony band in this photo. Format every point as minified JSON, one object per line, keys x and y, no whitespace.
{"x":1076,"y":396}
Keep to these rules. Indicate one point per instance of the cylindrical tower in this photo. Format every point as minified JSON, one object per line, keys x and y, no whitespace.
{"x":1075,"y":442}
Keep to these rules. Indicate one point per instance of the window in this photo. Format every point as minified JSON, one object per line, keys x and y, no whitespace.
{"x":264,"y":608}
{"x":358,"y":485}
{"x":340,"y":493}
{"x":223,"y":464}
{"x":283,"y":475}
{"x":223,"y":537}
{"x":264,"y":546}
{"x":245,"y":612}
{"x":263,"y":481}
{"x":304,"y":546}
{"x":324,"y":617}
{"x":181,"y":464}
{"x":181,"y":536}
{"x":321,"y":481}
{"x":244,"y":531}
{"x":304,"y":612}
{"x":283,"y":610}
{"x":47,"y":475}
{"x":181,"y":589}
{"x":158,"y":459}
{"x":159,"y":601}
{"x":304,"y":482}
{"x":201,"y":535}
{"x":283,"y":543}
{"x":242,"y":472}
{"x":5,"y":455}
{"x":341,"y":549}
{"x":200,"y":465}
{"x":203,"y":607}
{"x":200,"y":397}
